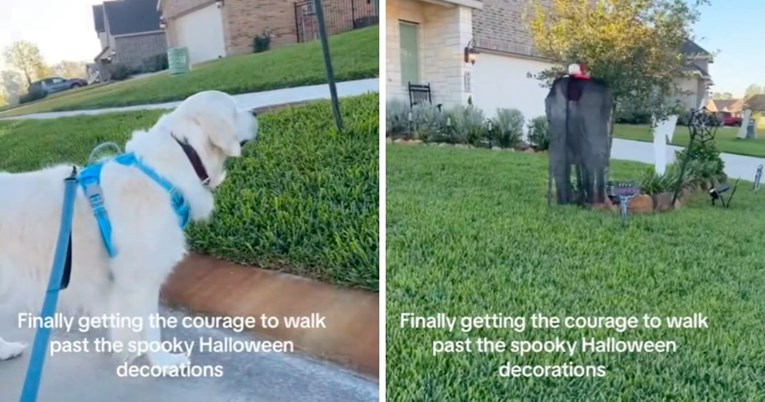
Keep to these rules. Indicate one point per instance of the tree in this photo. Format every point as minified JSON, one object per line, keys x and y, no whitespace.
{"x":633,"y":45}
{"x":753,"y":89}
{"x":26,"y":57}
{"x":71,"y":69}
{"x":13,"y":85}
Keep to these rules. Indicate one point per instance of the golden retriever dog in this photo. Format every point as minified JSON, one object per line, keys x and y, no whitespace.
{"x":187,"y":148}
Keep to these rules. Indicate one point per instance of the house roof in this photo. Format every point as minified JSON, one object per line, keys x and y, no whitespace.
{"x":98,"y":17}
{"x":691,"y":48}
{"x":131,"y":16}
{"x":756,"y":103}
{"x":721,"y":104}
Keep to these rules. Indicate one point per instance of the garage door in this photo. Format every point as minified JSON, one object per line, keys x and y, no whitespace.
{"x":201,"y":31}
{"x":501,"y":82}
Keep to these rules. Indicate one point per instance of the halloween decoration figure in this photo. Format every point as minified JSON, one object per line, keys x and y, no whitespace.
{"x":578,"y":109}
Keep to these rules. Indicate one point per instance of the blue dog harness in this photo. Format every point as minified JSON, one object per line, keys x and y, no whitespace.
{"x":90,"y":181}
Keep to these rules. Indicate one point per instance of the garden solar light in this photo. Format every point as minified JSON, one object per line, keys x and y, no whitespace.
{"x":757,"y":178}
{"x":716,"y":193}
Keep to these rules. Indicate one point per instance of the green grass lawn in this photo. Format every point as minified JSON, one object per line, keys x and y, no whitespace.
{"x":354,"y":56}
{"x":470,"y":233}
{"x":726,"y":139}
{"x":303,"y":198}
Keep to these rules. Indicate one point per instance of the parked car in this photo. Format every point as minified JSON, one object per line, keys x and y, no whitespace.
{"x":57,"y":84}
{"x":732,"y":121}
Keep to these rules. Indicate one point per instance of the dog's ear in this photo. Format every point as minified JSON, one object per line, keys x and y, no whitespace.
{"x":221,"y":131}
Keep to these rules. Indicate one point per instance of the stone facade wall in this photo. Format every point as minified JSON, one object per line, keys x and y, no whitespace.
{"x":501,"y":26}
{"x":132,"y":50}
{"x":243,"y":19}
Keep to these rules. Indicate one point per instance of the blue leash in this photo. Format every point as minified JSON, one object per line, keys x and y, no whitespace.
{"x":59,"y":279}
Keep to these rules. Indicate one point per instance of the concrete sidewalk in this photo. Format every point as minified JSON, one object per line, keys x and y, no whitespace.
{"x":248,"y":101}
{"x":736,"y":166}
{"x":257,"y":377}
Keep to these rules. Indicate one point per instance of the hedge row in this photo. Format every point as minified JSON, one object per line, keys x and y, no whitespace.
{"x":303,"y":198}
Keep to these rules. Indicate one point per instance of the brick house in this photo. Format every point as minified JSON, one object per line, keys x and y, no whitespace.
{"x":129,"y":32}
{"x":231,"y":25}
{"x":426,"y":42}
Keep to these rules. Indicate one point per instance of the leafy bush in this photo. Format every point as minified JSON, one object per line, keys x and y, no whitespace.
{"x":34,"y":93}
{"x":507,"y":128}
{"x":465,"y":125}
{"x":155,"y":63}
{"x":429,"y":123}
{"x":633,"y":117}
{"x":261,"y":43}
{"x":696,"y":173}
{"x":304,"y":197}
{"x":539,"y":133}
{"x":396,"y":117}
{"x":119,"y":71}
{"x":706,"y":154}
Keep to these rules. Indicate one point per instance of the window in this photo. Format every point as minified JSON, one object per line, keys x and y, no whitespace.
{"x":410,"y":53}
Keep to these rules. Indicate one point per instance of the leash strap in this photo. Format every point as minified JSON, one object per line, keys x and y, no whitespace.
{"x":59,"y":279}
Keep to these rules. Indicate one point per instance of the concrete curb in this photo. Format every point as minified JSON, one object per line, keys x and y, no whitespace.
{"x":351,"y":338}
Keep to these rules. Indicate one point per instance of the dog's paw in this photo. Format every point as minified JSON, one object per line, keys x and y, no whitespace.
{"x":170,"y":363}
{"x":9,"y":350}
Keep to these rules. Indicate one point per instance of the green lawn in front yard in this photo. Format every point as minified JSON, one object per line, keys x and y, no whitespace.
{"x":726,"y":138}
{"x":354,"y":56}
{"x":469,"y":233}
{"x":303,"y":198}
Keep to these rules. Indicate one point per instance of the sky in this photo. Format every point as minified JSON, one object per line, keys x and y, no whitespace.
{"x":63,"y":29}
{"x":735,"y":28}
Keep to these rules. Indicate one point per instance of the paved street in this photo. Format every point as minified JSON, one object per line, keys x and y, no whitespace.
{"x":248,"y":101}
{"x":736,"y":166}
{"x":267,"y":377}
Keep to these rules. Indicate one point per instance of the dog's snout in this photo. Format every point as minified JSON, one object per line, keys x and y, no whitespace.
{"x":241,"y":144}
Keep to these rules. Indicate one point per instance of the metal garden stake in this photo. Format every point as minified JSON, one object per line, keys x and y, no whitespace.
{"x":328,"y":65}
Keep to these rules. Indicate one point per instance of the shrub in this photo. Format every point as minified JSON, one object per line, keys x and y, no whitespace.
{"x":155,"y":63}
{"x":706,"y":154}
{"x":465,"y":125}
{"x":261,"y":43}
{"x":304,"y":197}
{"x":633,"y":117}
{"x":34,"y":93}
{"x":507,"y":128}
{"x":539,"y":133}
{"x":396,"y":117}
{"x":119,"y":72}
{"x":429,"y":123}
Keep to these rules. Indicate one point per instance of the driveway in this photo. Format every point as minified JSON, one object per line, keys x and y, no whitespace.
{"x":267,"y":377}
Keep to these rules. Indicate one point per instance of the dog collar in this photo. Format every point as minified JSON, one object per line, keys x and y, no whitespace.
{"x":194,"y":159}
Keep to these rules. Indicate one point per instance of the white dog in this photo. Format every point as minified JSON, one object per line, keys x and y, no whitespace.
{"x":183,"y":147}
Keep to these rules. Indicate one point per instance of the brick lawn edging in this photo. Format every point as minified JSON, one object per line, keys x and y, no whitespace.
{"x":214,"y":287}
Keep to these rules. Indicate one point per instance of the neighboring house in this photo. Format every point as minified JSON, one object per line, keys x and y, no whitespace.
{"x":129,"y":32}
{"x":426,"y":42}
{"x":229,"y":27}
{"x":726,"y":107}
{"x":697,"y":81}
